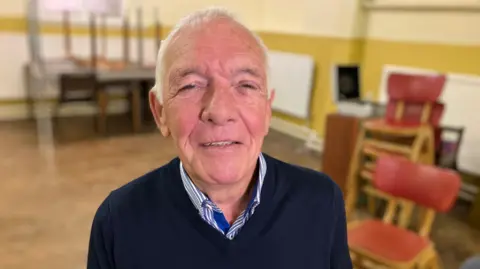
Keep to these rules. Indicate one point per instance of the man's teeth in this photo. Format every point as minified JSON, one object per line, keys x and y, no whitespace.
{"x":219,"y":144}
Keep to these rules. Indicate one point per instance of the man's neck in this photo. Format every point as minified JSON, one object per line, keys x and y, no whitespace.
{"x":231,"y":199}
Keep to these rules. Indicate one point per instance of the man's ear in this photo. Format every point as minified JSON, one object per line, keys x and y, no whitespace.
{"x":158,"y":113}
{"x":269,"y":110}
{"x":271,"y":98}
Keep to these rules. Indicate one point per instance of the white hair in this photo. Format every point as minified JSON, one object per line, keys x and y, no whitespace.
{"x":195,"y":19}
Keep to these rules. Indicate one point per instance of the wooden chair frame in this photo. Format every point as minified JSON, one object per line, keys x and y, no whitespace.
{"x":427,"y":258}
{"x":422,"y":150}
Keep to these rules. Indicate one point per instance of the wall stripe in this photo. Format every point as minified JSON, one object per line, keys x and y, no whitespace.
{"x":372,"y":54}
{"x":19,"y":25}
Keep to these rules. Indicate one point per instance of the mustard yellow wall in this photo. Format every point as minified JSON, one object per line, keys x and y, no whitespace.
{"x":441,"y":57}
{"x":326,"y":52}
{"x":372,"y":54}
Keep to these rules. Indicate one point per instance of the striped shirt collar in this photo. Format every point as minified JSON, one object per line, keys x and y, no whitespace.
{"x":199,"y":199}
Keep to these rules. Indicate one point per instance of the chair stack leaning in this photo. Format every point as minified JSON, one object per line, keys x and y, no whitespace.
{"x":408,"y":129}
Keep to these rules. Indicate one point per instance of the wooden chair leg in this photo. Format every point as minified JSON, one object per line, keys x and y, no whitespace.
{"x":407,"y":207}
{"x":102,"y":99}
{"x":358,"y":262}
{"x":431,"y":261}
{"x":405,"y":214}
{"x":56,"y":112}
{"x":434,"y":263}
{"x":430,"y":148}
{"x":372,"y":205}
{"x":136,"y":106}
{"x":427,"y":156}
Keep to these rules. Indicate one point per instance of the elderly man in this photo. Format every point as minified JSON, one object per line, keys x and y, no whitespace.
{"x":222,"y":203}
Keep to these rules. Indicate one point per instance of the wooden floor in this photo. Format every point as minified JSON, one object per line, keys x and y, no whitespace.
{"x":46,"y":208}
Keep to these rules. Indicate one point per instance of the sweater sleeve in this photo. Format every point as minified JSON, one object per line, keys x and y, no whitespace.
{"x":100,"y":254}
{"x":340,"y":254}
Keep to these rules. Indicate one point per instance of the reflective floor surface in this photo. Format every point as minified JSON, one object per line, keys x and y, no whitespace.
{"x":46,"y":210}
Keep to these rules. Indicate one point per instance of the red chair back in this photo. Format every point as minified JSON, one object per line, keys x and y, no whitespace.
{"x":412,"y":113}
{"x":415,"y":88}
{"x":413,"y":99}
{"x":425,"y":185}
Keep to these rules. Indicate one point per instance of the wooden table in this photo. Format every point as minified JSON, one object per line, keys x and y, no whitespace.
{"x":132,"y":80}
{"x":130,"y":77}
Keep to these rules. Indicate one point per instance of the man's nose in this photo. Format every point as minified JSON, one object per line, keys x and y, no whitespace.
{"x":219,"y":106}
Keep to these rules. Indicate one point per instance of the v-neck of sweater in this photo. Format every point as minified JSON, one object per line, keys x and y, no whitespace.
{"x":251,"y":229}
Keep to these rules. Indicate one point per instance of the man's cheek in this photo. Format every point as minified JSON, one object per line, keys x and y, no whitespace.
{"x":185,"y":125}
{"x":256,"y":123}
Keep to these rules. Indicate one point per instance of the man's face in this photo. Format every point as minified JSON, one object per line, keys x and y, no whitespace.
{"x":216,"y":104}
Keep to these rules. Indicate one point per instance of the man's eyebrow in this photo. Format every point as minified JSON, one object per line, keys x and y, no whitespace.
{"x":183,"y":72}
{"x":247,"y":70}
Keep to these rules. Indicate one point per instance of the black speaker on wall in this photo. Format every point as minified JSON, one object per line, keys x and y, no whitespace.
{"x":347,"y":82}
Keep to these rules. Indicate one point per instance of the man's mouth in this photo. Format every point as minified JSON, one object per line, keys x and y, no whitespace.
{"x":220,"y":144}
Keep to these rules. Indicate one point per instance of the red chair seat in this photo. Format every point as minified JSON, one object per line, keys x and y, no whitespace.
{"x":386,"y":241}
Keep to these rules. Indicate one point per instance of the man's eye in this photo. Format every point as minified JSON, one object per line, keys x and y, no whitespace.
{"x":188,"y":87}
{"x":248,"y":86}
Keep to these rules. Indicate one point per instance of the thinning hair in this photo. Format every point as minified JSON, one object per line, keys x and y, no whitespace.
{"x":194,"y":19}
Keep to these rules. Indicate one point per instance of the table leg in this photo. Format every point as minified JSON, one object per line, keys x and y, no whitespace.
{"x":102,"y":99}
{"x":135,"y":106}
{"x":27,"y":83}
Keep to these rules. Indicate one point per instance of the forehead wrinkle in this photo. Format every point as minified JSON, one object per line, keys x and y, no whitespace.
{"x":220,"y":29}
{"x":187,"y":43}
{"x":248,"y":70}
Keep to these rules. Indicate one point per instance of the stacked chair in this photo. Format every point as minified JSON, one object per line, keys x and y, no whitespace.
{"x":379,"y":243}
{"x":408,"y":129}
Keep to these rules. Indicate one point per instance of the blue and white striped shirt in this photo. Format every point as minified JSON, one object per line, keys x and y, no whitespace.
{"x":214,"y":215}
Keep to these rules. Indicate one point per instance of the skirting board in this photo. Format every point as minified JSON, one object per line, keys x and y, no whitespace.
{"x":20,"y":111}
{"x":312,"y":141}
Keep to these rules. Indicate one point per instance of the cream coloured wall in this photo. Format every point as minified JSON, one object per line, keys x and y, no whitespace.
{"x":327,"y":30}
{"x":311,"y":17}
{"x":341,"y":18}
{"x":250,"y":11}
{"x":351,"y":20}
{"x":347,"y":19}
{"x":12,"y":8}
{"x":14,"y":51}
{"x":304,"y":17}
{"x":440,"y":27}
{"x":283,"y":16}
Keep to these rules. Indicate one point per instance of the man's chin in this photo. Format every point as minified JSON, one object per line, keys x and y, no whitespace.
{"x":224,"y":174}
{"x":224,"y":168}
